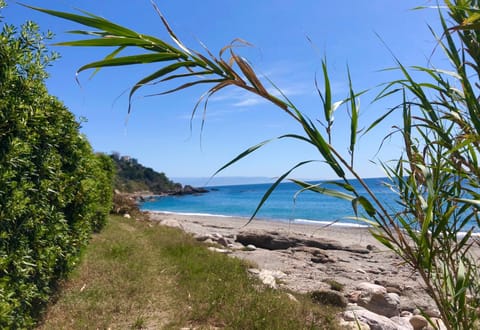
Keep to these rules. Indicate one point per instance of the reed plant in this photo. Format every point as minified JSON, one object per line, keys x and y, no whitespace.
{"x":436,"y":177}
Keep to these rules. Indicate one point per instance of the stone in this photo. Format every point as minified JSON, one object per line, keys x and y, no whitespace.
{"x":276,"y":241}
{"x":374,"y":321}
{"x":223,"y":241}
{"x":354,"y":296}
{"x":371,"y":288}
{"x":418,"y":322}
{"x":202,"y":238}
{"x":171,"y":223}
{"x":126,"y":215}
{"x":376,"y":299}
{"x":269,"y":277}
{"x":322,"y":259}
{"x":353,"y":325}
{"x":329,"y":297}
{"x":250,"y":247}
{"x":403,"y":322}
{"x":214,"y":249}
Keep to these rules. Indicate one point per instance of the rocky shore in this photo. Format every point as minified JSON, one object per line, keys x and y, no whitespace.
{"x":344,"y":266}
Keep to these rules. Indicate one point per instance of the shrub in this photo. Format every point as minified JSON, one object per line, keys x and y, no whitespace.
{"x":53,"y":189}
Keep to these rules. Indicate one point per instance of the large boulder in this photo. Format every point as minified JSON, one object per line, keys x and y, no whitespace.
{"x":375,"y":321}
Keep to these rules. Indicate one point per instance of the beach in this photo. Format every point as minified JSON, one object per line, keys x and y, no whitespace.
{"x":307,"y":257}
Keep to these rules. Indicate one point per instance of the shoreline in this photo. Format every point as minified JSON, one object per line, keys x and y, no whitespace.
{"x":356,"y":257}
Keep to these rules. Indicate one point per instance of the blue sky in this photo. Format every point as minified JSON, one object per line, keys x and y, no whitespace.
{"x":157,"y":132}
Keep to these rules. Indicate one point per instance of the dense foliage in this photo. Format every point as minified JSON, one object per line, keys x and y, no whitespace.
{"x":134,"y":177}
{"x":54,"y":191}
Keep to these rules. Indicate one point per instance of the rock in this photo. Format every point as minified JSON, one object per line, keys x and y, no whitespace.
{"x":376,"y":299}
{"x":418,"y":322}
{"x":189,"y":190}
{"x":236,"y":246}
{"x":202,"y":238}
{"x":393,"y":290}
{"x":374,"y":321}
{"x":171,"y":223}
{"x":250,"y":247}
{"x":276,"y":241}
{"x":371,"y":288}
{"x":382,"y":304}
{"x":269,"y":277}
{"x":406,"y":314}
{"x":223,"y":241}
{"x":265,"y":240}
{"x":322,"y":259}
{"x":126,"y":215}
{"x":353,"y":325}
{"x":403,"y":322}
{"x":354,"y":296}
{"x":214,"y":249}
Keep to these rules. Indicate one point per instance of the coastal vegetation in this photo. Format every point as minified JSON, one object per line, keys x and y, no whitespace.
{"x":131,"y":177}
{"x":162,"y":278}
{"x":54,"y":190}
{"x":436,"y":176}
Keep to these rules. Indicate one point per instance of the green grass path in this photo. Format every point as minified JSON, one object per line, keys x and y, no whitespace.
{"x":139,"y":275}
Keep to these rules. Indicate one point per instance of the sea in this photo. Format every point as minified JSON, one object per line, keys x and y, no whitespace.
{"x":284,"y":204}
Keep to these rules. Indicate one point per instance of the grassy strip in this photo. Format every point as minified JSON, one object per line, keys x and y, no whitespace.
{"x":140,"y":275}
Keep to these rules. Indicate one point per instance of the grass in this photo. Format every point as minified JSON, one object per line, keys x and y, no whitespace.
{"x":139,"y":275}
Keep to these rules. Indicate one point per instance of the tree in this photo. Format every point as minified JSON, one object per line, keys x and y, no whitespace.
{"x":436,"y":177}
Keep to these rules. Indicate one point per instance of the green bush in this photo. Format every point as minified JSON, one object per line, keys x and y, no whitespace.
{"x":54,"y":191}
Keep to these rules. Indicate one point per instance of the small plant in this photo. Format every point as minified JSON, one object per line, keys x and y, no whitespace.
{"x":334,"y":285}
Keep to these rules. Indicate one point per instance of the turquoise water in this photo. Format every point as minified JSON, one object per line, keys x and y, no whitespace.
{"x":242,"y":200}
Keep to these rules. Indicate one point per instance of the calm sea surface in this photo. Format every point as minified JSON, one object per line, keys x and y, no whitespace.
{"x":242,"y":200}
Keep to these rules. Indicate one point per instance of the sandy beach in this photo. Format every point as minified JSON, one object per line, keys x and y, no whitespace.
{"x":349,"y":255}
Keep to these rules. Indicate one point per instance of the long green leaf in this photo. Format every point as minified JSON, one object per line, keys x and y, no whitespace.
{"x":273,"y":187}
{"x":317,"y":188}
{"x":90,"y":20}
{"x":129,"y":60}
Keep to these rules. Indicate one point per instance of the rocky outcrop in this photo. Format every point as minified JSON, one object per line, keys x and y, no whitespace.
{"x":189,"y":190}
{"x":276,"y":241}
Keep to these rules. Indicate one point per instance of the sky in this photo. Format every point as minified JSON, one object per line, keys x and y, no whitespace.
{"x":289,"y":37}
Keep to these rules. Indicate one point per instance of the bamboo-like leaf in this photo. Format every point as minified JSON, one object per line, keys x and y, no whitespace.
{"x":327,"y":99}
{"x":129,"y":60}
{"x":107,"y":42}
{"x":367,"y":206}
{"x":324,"y":191}
{"x":90,"y":20}
{"x":353,"y":117}
{"x":273,"y":187}
{"x":156,"y":75}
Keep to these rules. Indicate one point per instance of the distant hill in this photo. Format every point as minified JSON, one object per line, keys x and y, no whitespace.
{"x":133,"y":177}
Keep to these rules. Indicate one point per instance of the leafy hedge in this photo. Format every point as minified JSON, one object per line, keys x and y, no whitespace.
{"x":54,"y":191}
